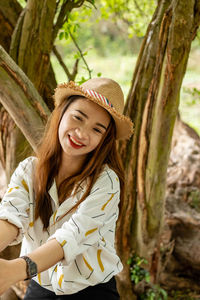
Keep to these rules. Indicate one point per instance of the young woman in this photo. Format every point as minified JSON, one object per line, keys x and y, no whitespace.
{"x":63,"y":204}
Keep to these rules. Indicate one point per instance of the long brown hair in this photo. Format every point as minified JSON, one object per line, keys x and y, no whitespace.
{"x":49,"y":158}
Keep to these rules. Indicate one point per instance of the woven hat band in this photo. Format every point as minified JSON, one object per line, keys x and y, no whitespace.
{"x":100,"y":97}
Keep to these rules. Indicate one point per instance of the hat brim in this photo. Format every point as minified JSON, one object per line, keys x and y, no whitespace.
{"x":124,"y":125}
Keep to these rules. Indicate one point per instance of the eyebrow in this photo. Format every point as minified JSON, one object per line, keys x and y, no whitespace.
{"x":86,"y":116}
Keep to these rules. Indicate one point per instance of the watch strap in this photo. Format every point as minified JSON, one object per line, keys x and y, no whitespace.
{"x":31,"y":267}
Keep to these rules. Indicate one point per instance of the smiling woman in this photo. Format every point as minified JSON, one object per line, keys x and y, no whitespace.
{"x":82,"y":127}
{"x":64,"y":203}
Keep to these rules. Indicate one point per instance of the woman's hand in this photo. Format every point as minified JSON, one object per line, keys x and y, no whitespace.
{"x":11,"y":271}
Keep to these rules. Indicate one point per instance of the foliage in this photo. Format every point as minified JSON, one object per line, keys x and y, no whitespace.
{"x":135,"y":14}
{"x":195,"y":95}
{"x":93,"y":32}
{"x":138,"y":274}
{"x":154,"y":293}
{"x":186,"y":294}
{"x":194,"y":199}
{"x":22,"y":2}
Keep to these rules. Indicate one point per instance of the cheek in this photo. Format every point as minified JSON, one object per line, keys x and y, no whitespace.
{"x":96,"y":141}
{"x":61,"y":130}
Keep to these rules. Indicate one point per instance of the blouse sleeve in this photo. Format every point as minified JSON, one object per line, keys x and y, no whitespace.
{"x":80,"y":236}
{"x":14,"y":206}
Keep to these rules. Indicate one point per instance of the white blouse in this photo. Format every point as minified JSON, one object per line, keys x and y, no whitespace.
{"x":86,"y":234}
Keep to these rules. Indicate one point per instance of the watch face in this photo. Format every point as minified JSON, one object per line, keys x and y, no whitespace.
{"x":33,"y":269}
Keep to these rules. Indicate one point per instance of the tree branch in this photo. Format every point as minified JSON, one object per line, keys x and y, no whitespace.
{"x":139,"y":9}
{"x":81,"y":54}
{"x":75,"y":69}
{"x":71,"y":76}
{"x":22,"y":101}
{"x":66,"y":8}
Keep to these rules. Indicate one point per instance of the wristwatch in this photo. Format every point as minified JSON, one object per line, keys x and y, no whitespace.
{"x":31,"y":267}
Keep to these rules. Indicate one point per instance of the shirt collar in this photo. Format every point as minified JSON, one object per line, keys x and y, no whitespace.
{"x":53,"y":193}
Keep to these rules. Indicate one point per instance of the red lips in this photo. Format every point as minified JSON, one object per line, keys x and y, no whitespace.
{"x":76,"y":145}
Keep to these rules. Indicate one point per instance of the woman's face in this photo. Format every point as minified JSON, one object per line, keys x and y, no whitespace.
{"x":82,"y":127}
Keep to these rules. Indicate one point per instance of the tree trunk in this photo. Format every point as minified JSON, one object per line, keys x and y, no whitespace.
{"x":32,"y":40}
{"x":13,"y":145}
{"x":153,"y":104}
{"x":21,"y":99}
{"x":180,"y":238}
{"x":9,"y":13}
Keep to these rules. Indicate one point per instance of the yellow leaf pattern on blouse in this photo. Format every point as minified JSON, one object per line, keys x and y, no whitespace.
{"x":10,"y":190}
{"x":87,"y":264}
{"x":39,"y":279}
{"x":103,"y":207}
{"x":54,"y":216}
{"x":60,"y":280}
{"x":25,"y":185}
{"x":99,"y":260}
{"x":63,"y":243}
{"x":90,"y":231}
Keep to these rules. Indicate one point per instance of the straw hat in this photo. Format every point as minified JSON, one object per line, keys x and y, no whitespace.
{"x":105,"y":92}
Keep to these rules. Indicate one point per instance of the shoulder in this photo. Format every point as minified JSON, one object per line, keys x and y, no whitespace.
{"x":107,"y":179}
{"x":104,"y":195}
{"x":26,"y":166}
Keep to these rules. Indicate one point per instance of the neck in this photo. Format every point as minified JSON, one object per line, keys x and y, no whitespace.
{"x":69,"y":167}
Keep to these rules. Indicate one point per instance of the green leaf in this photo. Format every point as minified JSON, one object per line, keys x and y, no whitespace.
{"x":164,"y":293}
{"x":61,"y":35}
{"x":129,"y":261}
{"x":77,"y":55}
{"x":147,"y":277}
{"x":136,"y":280}
{"x":66,"y":35}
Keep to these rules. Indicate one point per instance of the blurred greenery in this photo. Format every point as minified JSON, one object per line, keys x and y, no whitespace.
{"x":109,"y":34}
{"x":190,"y":93}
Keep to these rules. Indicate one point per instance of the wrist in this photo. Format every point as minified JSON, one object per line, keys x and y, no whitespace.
{"x":18,"y":267}
{"x":31,"y":267}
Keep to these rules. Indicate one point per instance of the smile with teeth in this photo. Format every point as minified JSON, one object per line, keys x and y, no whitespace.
{"x":75,"y":142}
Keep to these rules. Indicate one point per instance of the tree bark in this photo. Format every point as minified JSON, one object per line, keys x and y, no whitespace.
{"x":21,"y":100}
{"x":13,"y":145}
{"x":9,"y":13}
{"x":35,"y":41}
{"x":153,"y":104}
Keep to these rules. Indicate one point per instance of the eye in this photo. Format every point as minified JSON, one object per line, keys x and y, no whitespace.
{"x":78,"y":118}
{"x":97,"y":130}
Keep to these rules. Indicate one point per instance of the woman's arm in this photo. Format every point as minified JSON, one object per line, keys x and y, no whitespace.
{"x":47,"y":255}
{"x":8,"y":232}
{"x":14,"y":270}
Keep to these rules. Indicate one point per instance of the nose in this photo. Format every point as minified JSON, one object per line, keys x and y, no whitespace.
{"x":82,"y":132}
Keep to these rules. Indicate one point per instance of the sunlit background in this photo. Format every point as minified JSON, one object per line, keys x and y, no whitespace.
{"x":109,"y":35}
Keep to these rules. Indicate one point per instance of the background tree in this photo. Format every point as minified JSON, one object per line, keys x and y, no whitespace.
{"x":153,"y":105}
